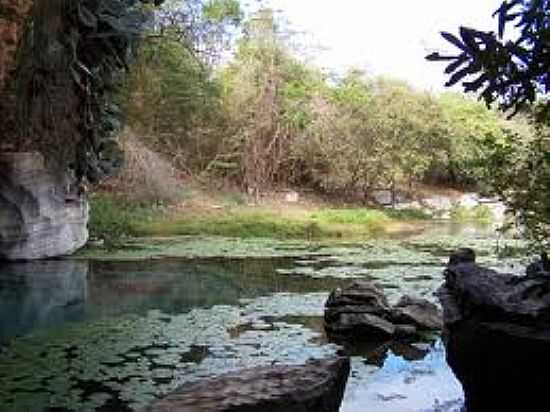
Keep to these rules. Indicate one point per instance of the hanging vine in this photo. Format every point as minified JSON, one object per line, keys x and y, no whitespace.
{"x":72,"y":60}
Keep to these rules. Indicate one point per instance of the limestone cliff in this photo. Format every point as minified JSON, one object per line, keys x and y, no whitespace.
{"x":41,"y":214}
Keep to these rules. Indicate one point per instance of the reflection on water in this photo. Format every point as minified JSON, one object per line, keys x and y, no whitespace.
{"x":81,"y":335}
{"x":47,"y":294}
{"x":401,"y":384}
{"x":41,"y":294}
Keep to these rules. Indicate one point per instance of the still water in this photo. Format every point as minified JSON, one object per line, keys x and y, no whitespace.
{"x":112,"y":335}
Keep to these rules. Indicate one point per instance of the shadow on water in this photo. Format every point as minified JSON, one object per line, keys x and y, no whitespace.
{"x":114,"y":335}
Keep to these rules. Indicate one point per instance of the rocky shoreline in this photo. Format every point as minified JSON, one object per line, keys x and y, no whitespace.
{"x":497,"y":334}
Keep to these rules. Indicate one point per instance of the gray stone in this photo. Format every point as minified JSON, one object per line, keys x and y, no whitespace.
{"x":438,"y":202}
{"x":469,"y":288}
{"x":382,"y":197}
{"x":362,"y":324}
{"x":405,"y":331}
{"x":469,"y":200}
{"x":540,"y":267}
{"x":463,"y":255}
{"x":317,"y":386}
{"x":361,"y":311}
{"x":364,"y":293}
{"x":41,"y":215}
{"x":418,"y":312}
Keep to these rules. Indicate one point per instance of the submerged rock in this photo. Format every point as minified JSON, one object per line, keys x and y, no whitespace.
{"x":497,"y":336}
{"x":317,"y":386}
{"x":40,"y":215}
{"x":361,"y":311}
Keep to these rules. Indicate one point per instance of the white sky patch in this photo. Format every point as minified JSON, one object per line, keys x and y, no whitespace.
{"x":386,"y":37}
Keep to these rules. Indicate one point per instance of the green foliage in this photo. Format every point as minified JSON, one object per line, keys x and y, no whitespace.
{"x":270,"y":99}
{"x":408,"y":214}
{"x":460,"y":153}
{"x":511,"y":70}
{"x":369,"y":134}
{"x":245,"y":222}
{"x":236,"y":224}
{"x":518,"y":170}
{"x":480,"y":213}
{"x":220,"y":10}
{"x":268,"y":119}
{"x":367,"y":217}
{"x":514,"y":72}
{"x":171,"y":101}
{"x":115,"y":217}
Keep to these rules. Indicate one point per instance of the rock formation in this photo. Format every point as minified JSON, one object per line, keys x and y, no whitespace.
{"x":497,"y":335}
{"x":41,"y":215}
{"x":361,"y":311}
{"x":317,"y":386}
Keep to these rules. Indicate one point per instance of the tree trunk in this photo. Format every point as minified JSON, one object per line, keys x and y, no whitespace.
{"x":13,"y":15}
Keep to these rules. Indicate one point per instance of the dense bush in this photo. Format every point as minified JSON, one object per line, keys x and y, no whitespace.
{"x":268,"y":119}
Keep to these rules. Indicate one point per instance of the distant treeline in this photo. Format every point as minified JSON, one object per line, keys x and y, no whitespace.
{"x":268,"y":119}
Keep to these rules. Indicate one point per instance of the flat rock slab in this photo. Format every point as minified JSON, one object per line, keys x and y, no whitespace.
{"x":317,"y":386}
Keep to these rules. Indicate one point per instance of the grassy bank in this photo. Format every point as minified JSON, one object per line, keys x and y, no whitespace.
{"x":247,"y":222}
{"x":480,"y":213}
{"x":115,"y":217}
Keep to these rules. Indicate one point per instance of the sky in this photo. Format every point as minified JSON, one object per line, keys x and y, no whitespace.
{"x":385,"y":37}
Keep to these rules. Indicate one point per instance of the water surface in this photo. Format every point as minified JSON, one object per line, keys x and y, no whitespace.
{"x":106,"y":335}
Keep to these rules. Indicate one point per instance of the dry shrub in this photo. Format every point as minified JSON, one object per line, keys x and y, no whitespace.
{"x":146,"y":176}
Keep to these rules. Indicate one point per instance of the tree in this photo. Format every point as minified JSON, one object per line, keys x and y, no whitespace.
{"x":71,"y":58}
{"x":467,"y":126}
{"x":172,"y":99}
{"x":72,"y":61}
{"x":265,"y":96}
{"x":515,"y":72}
{"x":517,"y":168}
{"x":511,"y":71}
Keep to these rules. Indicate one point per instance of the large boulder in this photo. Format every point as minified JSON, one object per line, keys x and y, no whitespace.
{"x":317,"y":386}
{"x":361,"y":311}
{"x":497,"y":336}
{"x":41,"y":214}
